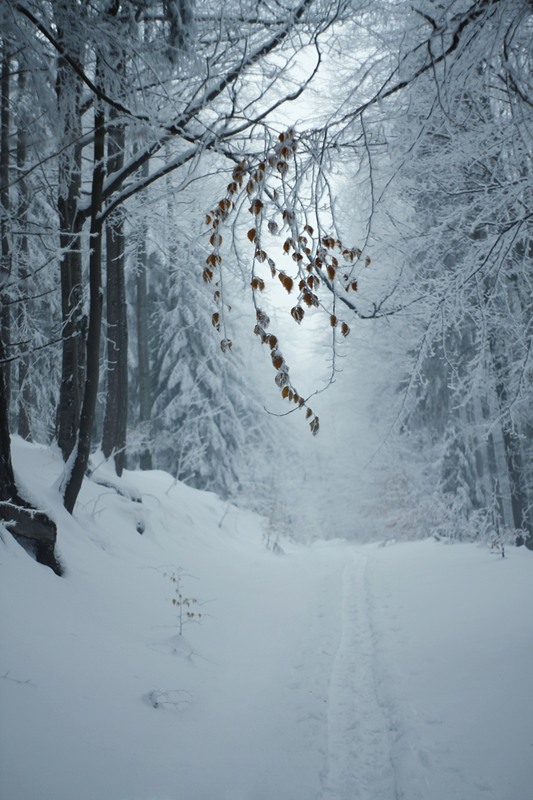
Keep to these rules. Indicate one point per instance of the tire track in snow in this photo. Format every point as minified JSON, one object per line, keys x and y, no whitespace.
{"x":359,"y":764}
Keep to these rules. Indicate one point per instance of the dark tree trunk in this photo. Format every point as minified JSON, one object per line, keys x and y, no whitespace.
{"x":73,"y":332}
{"x":80,"y":455}
{"x":24,"y":394}
{"x":143,"y":347}
{"x":7,"y":478}
{"x":68,"y":90}
{"x":513,"y":454}
{"x":116,"y":408}
{"x":6,"y":247}
{"x":33,"y":529}
{"x":521,"y":310}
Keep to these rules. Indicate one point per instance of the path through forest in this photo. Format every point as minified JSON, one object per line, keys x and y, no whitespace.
{"x":359,"y":763}
{"x":329,"y":672}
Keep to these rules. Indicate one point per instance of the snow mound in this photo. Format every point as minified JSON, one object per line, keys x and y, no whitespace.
{"x":331,"y":672}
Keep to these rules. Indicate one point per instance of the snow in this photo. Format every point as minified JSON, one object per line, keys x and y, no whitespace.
{"x":333,"y":671}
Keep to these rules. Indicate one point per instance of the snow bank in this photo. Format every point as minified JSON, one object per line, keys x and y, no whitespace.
{"x":454,"y":653}
{"x":331,"y":672}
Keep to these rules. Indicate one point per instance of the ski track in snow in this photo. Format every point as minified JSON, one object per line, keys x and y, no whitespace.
{"x":337,"y":672}
{"x":359,"y":762}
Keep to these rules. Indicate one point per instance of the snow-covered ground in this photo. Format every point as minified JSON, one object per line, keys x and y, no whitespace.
{"x":329,"y":672}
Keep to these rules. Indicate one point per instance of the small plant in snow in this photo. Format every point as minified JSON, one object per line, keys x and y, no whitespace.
{"x":187,"y":607}
{"x":271,"y":538}
{"x":174,"y":699}
{"x":272,"y":529}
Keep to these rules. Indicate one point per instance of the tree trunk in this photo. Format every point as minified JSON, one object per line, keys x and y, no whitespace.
{"x":522,"y":464}
{"x":80,"y":455}
{"x":7,"y":478}
{"x":68,"y":91}
{"x":6,"y":247}
{"x":512,"y":452}
{"x":116,"y":408}
{"x":143,"y":347}
{"x":33,"y":529}
{"x":24,"y":393}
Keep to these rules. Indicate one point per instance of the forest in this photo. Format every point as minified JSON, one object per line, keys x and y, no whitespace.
{"x":266,"y":399}
{"x":198,"y":199}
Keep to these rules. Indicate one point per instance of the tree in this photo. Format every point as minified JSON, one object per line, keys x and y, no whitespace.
{"x":472,"y":180}
{"x":22,"y":257}
{"x":31,"y":527}
{"x":200,"y":419}
{"x":116,"y":408}
{"x":455,"y":184}
{"x":185,"y":97}
{"x":441,"y":109}
{"x":216,"y":109}
{"x":69,"y":98}
{"x":142,"y":330}
{"x":6,"y":251}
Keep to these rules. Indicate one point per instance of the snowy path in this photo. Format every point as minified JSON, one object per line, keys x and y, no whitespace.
{"x":332,"y":672}
{"x":359,"y":761}
{"x":303,"y":720}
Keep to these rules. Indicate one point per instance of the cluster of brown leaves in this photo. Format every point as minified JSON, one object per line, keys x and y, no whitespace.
{"x":318,"y":259}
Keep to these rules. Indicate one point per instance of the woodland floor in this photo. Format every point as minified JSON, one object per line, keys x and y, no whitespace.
{"x":330,"y":672}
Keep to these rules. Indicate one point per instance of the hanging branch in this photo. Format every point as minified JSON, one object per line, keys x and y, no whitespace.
{"x":320,"y":261}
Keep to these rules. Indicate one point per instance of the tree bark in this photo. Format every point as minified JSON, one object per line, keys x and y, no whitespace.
{"x":23,"y":204}
{"x":143,"y":346}
{"x":68,"y":91}
{"x":116,"y":408}
{"x":80,"y":455}
{"x":5,"y":227}
{"x":7,"y":478}
{"x":33,"y":529}
{"x":512,"y":452}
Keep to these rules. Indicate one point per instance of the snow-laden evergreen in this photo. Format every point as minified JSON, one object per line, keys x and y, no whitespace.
{"x":204,"y":414}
